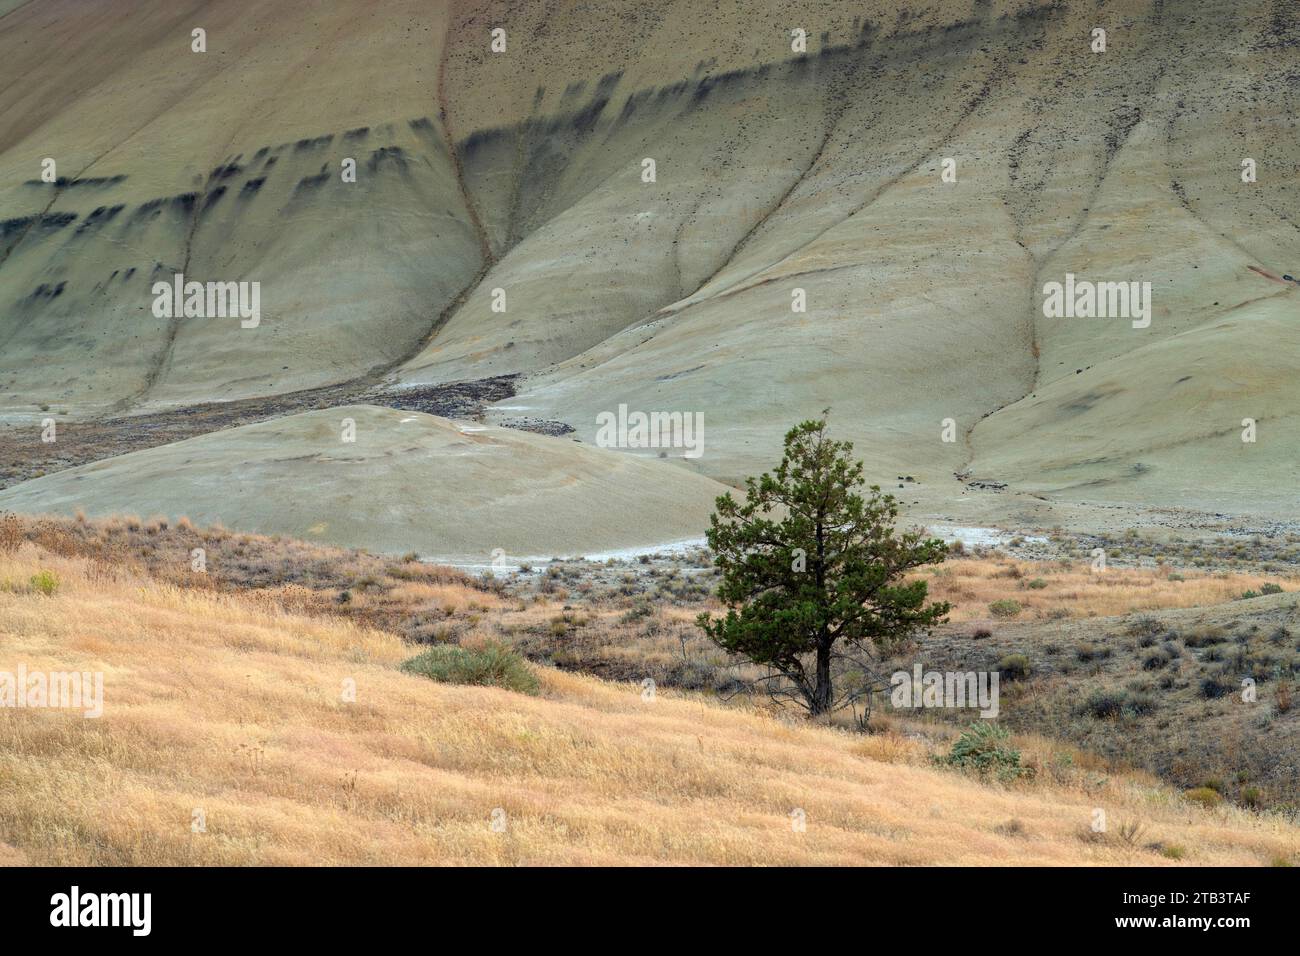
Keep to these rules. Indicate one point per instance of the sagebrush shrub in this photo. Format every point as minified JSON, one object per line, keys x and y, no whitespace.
{"x":985,"y":748}
{"x":1106,"y":703}
{"x":491,"y":665}
{"x":1014,"y":667}
{"x":1204,"y":796}
{"x":1215,"y":686}
{"x":1005,"y":608}
{"x":1156,"y":660}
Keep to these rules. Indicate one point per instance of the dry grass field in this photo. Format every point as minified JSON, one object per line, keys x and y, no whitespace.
{"x":232,"y":707}
{"x":1057,"y":590}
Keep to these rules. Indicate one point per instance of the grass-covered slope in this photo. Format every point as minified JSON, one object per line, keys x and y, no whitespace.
{"x":231,"y":711}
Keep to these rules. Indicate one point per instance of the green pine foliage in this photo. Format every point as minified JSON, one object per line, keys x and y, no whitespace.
{"x":811,"y":568}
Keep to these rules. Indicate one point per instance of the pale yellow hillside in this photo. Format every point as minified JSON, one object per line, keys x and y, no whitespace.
{"x":233,"y":708}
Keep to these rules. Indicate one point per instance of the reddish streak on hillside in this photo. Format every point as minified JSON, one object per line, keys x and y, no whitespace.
{"x":1267,"y":275}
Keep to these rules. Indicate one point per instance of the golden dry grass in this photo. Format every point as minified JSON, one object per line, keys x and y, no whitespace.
{"x":1074,"y":590}
{"x":230,"y":705}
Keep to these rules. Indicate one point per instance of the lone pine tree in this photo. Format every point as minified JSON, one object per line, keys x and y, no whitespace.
{"x":812,"y":572}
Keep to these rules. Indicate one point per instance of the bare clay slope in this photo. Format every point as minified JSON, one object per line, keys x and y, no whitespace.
{"x":821,"y":174}
{"x":407,"y":482}
{"x":519,"y":175}
{"x":226,"y":166}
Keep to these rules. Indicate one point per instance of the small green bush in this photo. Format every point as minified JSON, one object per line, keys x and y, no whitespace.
{"x":1106,"y":704}
{"x":1156,"y":660}
{"x":984,"y":748}
{"x":1146,"y":624}
{"x":1215,"y":686}
{"x":1204,"y":796}
{"x":1014,"y":667}
{"x":1139,"y":704}
{"x":1205,"y":636}
{"x":492,"y":665}
{"x":44,"y":582}
{"x":1005,"y":608}
{"x":637,"y":611}
{"x":1270,"y":588}
{"x":1037,"y":584}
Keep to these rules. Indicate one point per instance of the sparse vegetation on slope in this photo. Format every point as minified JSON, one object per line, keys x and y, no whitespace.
{"x":631,"y":621}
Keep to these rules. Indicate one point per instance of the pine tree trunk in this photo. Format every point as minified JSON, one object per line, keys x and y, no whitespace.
{"x":822,"y":695}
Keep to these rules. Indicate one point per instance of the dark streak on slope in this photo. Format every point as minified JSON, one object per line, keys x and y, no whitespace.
{"x":739,"y":286}
{"x":486,"y":257}
{"x":444,"y":116}
{"x":20,"y":6}
{"x":833,"y":117}
{"x":195,"y":205}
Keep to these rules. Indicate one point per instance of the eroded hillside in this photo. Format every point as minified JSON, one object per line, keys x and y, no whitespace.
{"x":501,"y":224}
